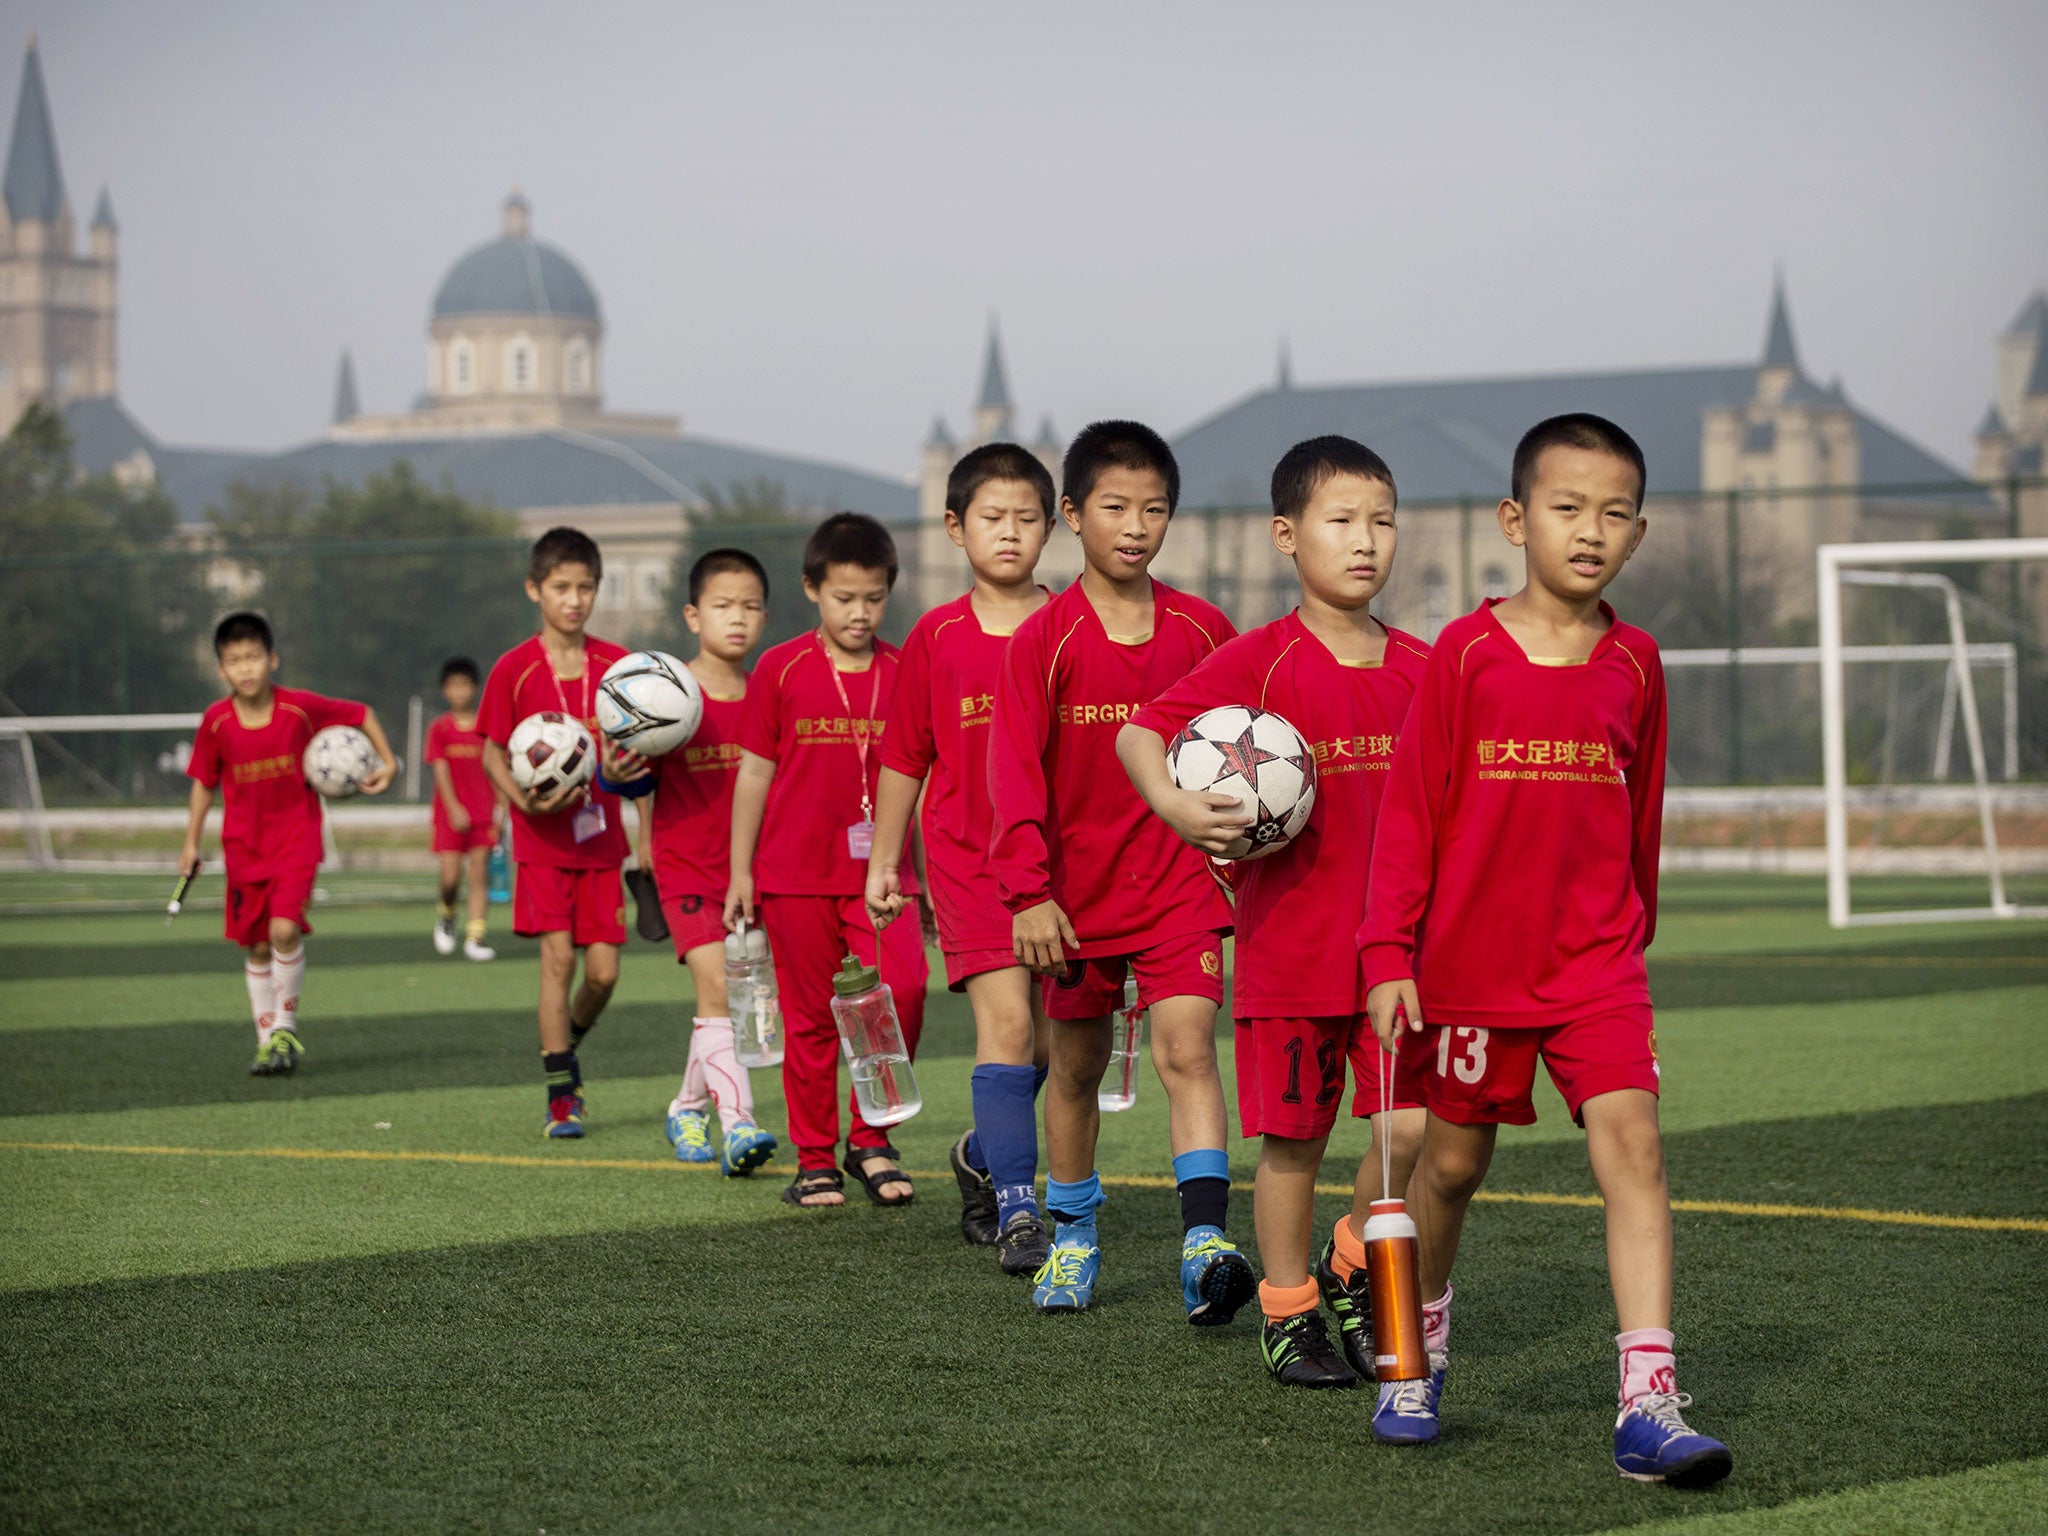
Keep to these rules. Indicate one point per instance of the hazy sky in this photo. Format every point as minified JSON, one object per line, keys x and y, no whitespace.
{"x":798,"y":218}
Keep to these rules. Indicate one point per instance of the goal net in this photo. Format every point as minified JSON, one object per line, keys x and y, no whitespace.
{"x":93,"y":793}
{"x":1933,"y":742}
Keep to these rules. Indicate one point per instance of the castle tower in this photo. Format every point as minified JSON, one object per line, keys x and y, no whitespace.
{"x":992,"y":410}
{"x":57,"y":306}
{"x":346,"y":407}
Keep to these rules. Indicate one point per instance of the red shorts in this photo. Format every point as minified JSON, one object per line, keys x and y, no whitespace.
{"x":1290,"y":1074}
{"x":968,"y":963}
{"x":253,"y":904}
{"x":1473,"y":1076}
{"x":587,"y":904}
{"x":1187,"y":965}
{"x":694,"y":921}
{"x":448,"y":840}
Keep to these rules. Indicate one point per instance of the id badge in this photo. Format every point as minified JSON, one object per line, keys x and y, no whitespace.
{"x":860,"y":839}
{"x":588,"y":823}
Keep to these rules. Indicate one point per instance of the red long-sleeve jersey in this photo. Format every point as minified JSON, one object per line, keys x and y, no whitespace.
{"x":1514,"y":869}
{"x":1068,"y":824}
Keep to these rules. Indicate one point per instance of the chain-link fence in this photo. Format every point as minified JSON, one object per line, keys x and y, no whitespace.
{"x":1725,"y":583}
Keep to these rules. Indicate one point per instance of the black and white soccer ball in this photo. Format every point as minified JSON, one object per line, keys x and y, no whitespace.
{"x":1260,"y":760}
{"x":550,"y":752}
{"x":648,"y":702}
{"x":338,"y":759}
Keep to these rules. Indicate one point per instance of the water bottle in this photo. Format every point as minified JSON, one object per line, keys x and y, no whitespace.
{"x":752,"y":999}
{"x":1398,"y":1350}
{"x":1119,"y":1088}
{"x":884,"y":1087}
{"x":499,"y":879}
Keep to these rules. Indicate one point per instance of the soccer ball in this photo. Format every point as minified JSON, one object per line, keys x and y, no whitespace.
{"x":649,"y":703}
{"x":551,"y":752}
{"x":338,"y":759}
{"x":1258,"y":758}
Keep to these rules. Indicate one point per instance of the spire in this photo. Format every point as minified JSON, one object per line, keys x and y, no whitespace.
{"x":1283,"y":373}
{"x":995,"y":385}
{"x":34,"y":187}
{"x":1778,"y":349}
{"x":518,"y":216}
{"x":940,"y":439}
{"x":103,"y":213}
{"x":1993,"y":424}
{"x":2033,"y":316}
{"x":2037,"y":377}
{"x":345,"y":407}
{"x":1047,"y":437}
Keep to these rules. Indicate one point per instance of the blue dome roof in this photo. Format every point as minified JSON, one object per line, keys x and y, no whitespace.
{"x":515,"y":275}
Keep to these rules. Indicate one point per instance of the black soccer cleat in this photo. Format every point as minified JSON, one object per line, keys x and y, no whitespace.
{"x":1352,"y":1306}
{"x":1299,"y":1353}
{"x":980,"y":1223}
{"x":1024,"y":1245}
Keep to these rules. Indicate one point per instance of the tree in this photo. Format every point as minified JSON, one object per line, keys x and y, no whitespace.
{"x":754,"y":515}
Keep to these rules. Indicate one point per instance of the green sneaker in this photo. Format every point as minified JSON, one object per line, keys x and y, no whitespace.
{"x":1351,"y":1305}
{"x":279,"y":1055}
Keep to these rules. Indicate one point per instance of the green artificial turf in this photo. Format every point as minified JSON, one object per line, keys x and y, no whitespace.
{"x":216,"y":1336}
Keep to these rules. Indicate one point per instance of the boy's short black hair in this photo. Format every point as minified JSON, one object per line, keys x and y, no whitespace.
{"x":563,"y":546}
{"x":996,"y":461}
{"x":714,"y":562}
{"x":1576,"y":429}
{"x":1304,"y":469}
{"x":1105,"y":445}
{"x":244,"y":625}
{"x":460,"y":666}
{"x":849,"y":538}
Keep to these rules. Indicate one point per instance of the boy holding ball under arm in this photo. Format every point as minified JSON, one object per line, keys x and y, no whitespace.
{"x":1513,"y":894}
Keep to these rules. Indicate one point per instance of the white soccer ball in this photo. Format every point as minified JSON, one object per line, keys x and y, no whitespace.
{"x":1259,"y":759}
{"x":337,"y":761}
{"x":649,"y":703}
{"x":551,"y":752}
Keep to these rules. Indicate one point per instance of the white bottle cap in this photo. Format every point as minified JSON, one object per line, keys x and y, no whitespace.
{"x":757,"y":944}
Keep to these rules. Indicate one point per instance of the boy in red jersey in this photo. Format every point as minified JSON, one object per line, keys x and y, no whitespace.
{"x":1343,"y":680}
{"x":251,"y":745}
{"x":1097,"y":886}
{"x":998,"y":508}
{"x":1512,"y":897}
{"x":569,"y":846}
{"x":806,"y":798}
{"x":692,"y":843}
{"x":468,"y":810}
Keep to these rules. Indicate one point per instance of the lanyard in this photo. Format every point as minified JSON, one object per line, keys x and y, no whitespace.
{"x":561,"y":695}
{"x":861,"y":726}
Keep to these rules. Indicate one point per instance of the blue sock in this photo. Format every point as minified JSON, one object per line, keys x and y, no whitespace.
{"x":1074,"y":1205}
{"x":973,"y":1152}
{"x":1007,"y":1126}
{"x":1204,"y":1179}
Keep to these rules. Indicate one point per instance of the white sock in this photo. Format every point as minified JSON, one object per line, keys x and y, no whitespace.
{"x":287,"y":975}
{"x":262,"y":997}
{"x":711,"y":1046}
{"x":693,"y":1095}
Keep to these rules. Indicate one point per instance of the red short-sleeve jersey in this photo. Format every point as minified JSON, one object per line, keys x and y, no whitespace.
{"x":463,"y":752}
{"x":813,"y":727}
{"x":939,"y":732}
{"x":1068,"y":824}
{"x":1514,"y":872}
{"x":522,"y":683}
{"x":1298,"y":910}
{"x":693,"y":805}
{"x":270,"y":816}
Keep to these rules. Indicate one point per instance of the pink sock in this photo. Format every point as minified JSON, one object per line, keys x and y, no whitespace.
{"x":1436,"y":1324}
{"x":262,"y":999}
{"x":712,"y":1045}
{"x":693,"y":1095}
{"x":287,"y":974}
{"x":1646,"y":1363}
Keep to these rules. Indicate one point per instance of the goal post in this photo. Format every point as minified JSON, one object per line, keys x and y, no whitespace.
{"x":153,"y":754}
{"x":1875,"y":566}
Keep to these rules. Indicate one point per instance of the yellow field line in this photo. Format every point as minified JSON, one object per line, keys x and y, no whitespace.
{"x":1121,"y":1181}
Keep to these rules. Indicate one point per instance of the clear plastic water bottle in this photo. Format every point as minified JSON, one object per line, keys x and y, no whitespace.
{"x":752,"y":999}
{"x":1119,"y":1088}
{"x":499,"y":877}
{"x":884,"y":1087}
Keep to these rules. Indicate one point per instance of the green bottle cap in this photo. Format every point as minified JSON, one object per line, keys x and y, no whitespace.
{"x":855,"y":978}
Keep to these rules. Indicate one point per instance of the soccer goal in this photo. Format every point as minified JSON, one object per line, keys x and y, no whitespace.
{"x":1933,"y":614}
{"x":113,"y":785}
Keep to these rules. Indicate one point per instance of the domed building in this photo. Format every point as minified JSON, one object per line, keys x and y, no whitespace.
{"x":514,"y":341}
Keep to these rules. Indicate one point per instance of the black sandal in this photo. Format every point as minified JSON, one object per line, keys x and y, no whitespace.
{"x":813,"y":1181}
{"x":857,"y":1160}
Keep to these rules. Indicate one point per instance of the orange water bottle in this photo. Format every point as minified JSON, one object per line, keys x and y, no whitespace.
{"x":1398,"y":1351}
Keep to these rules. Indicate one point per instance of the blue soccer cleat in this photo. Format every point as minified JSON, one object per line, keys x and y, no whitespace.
{"x":565,"y":1117}
{"x":1215,"y":1277}
{"x":745,"y":1148}
{"x":689,"y":1132}
{"x":1652,"y":1444}
{"x":1065,"y":1282}
{"x":1406,"y":1413}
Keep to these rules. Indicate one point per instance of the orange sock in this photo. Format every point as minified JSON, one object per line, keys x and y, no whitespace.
{"x":1349,"y":1256}
{"x":1280,"y":1302}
